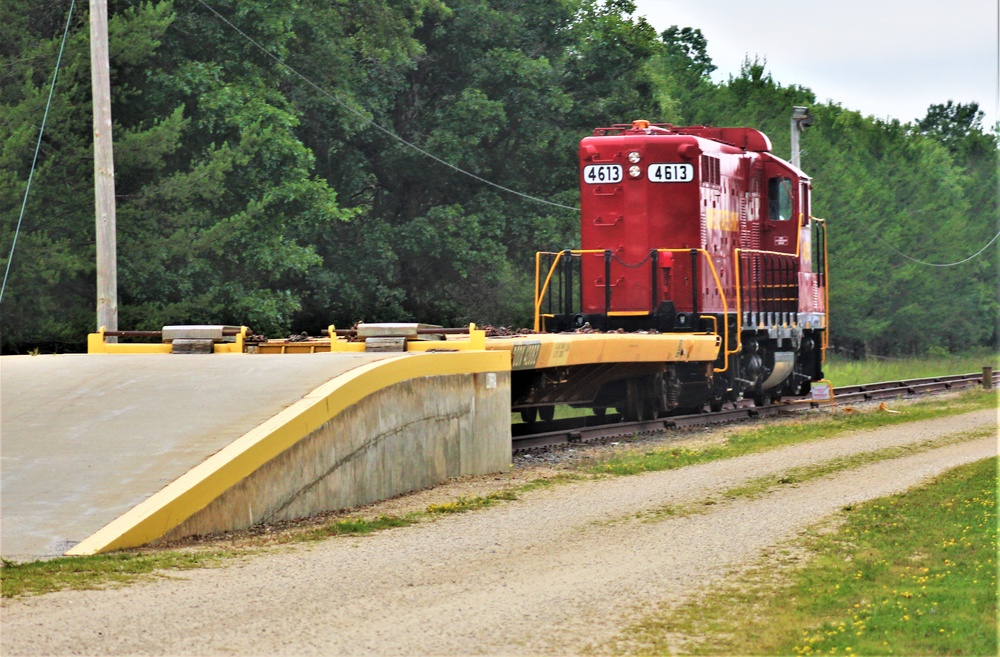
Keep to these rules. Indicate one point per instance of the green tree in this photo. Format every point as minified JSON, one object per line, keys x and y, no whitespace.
{"x":502,"y":91}
{"x":216,"y":195}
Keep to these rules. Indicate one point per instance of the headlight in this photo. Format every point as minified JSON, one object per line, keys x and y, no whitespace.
{"x":634,"y":171}
{"x":634,"y":157}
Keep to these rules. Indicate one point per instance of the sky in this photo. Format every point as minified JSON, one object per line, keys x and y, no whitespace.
{"x":890,"y":59}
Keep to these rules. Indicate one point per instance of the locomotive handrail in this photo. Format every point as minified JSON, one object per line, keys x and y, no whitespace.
{"x":798,"y":248}
{"x":725,"y":304}
{"x":540,"y":292}
{"x":826,"y":290}
{"x":773,"y":286}
{"x":739,"y":286}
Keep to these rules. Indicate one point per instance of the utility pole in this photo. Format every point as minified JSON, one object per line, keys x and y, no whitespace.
{"x":800,"y":121}
{"x":104,"y":170}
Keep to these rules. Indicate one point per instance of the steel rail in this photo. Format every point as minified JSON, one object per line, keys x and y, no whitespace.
{"x":591,"y":428}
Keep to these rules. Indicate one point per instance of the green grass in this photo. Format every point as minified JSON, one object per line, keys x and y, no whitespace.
{"x":99,"y":571}
{"x":813,"y":427}
{"x":801,"y":474}
{"x":911,"y":574}
{"x":463,"y":504}
{"x":761,"y":486}
{"x":350,"y":527}
{"x":562,"y":411}
{"x":846,"y":372}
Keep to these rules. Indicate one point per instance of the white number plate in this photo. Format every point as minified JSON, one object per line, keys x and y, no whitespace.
{"x":595,"y":174}
{"x":670,"y":172}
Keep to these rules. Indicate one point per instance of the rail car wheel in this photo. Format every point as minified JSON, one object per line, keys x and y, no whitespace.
{"x":546,"y":413}
{"x":640,"y":404}
{"x":529,"y":415}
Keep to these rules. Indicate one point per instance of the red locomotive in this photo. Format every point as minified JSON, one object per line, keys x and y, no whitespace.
{"x":695,"y":229}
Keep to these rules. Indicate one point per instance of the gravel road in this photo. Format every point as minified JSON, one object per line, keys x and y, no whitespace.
{"x":558,"y":569}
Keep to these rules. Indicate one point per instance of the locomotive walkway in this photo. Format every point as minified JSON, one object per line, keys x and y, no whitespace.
{"x":112,"y":450}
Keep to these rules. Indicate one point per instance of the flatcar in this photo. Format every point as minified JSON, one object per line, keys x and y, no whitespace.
{"x":690,"y":230}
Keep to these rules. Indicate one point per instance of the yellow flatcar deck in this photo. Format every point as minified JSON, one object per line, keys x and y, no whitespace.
{"x":541,"y":350}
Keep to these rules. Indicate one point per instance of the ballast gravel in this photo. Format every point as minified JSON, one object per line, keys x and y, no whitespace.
{"x":552,"y":572}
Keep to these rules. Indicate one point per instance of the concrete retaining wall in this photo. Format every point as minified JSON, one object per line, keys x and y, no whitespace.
{"x":402,"y":438}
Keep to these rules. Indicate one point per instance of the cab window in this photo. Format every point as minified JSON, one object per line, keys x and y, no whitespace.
{"x":779,"y":193}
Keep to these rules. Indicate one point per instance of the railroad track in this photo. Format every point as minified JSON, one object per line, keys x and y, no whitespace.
{"x":591,"y":428}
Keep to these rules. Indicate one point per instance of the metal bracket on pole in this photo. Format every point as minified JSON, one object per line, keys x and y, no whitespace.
{"x":800,"y":121}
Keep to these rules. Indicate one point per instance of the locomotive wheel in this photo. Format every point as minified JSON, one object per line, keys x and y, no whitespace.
{"x":529,"y":415}
{"x":546,"y":413}
{"x":640,"y":405}
{"x":760,"y":399}
{"x":600,"y":411}
{"x":715,"y":405}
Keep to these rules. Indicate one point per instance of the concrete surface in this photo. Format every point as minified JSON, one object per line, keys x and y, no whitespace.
{"x":85,"y":438}
{"x":402,"y":438}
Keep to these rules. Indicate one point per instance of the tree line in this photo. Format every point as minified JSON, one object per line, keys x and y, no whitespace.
{"x":291,"y":164}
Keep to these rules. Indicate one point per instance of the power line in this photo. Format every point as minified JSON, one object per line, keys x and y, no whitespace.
{"x":375,"y":125}
{"x":946,"y":264}
{"x":929,"y":264}
{"x":38,"y":146}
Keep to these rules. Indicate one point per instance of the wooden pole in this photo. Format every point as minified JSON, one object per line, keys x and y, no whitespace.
{"x":104,"y":169}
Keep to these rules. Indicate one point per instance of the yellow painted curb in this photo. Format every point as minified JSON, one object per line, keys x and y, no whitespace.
{"x":194,"y":490}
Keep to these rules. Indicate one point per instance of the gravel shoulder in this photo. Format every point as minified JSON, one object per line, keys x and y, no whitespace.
{"x":550,"y":573}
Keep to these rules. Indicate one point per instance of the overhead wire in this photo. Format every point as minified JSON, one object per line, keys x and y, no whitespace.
{"x":360,"y":114}
{"x":38,"y":146}
{"x":922,"y":262}
{"x":945,"y":264}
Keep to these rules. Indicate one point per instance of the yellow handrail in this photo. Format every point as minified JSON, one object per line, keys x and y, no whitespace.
{"x":739,"y":285}
{"x":826,"y":291}
{"x":826,"y":282}
{"x":725,"y":304}
{"x":540,"y":293}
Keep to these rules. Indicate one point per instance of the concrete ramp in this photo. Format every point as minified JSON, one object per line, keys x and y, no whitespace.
{"x":103,"y":452}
